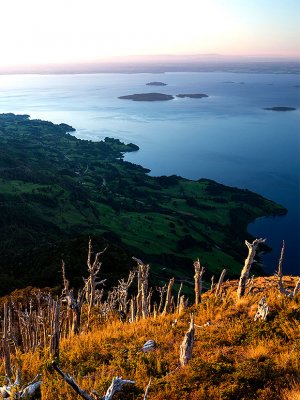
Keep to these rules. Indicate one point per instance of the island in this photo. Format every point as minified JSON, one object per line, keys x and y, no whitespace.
{"x":56,"y":190}
{"x":192,"y":95}
{"x":236,"y":83}
{"x":280,"y":108}
{"x":147,"y":97}
{"x":156,"y":84}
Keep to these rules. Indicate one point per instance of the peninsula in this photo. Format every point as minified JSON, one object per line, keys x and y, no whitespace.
{"x":147,"y":97}
{"x":55,"y":188}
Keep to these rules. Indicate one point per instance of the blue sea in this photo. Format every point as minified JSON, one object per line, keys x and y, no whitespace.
{"x":227,"y":136}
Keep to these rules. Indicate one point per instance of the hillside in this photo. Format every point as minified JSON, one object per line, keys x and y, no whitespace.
{"x":233,"y":358}
{"x":56,"y":190}
{"x":240,"y":340}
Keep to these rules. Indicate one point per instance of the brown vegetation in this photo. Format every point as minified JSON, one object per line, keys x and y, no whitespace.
{"x":232,"y":356}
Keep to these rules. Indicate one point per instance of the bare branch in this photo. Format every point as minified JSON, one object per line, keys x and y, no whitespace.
{"x":282,"y":289}
{"x":219,"y":285}
{"x":168,"y":304}
{"x":161,"y":290}
{"x":247,"y":266}
{"x":178,"y":297}
{"x":187,"y":345}
{"x":116,"y":386}
{"x":297,"y":288}
{"x":262,"y":310}
{"x":91,"y":282}
{"x":141,"y":300}
{"x":5,"y":341}
{"x":55,"y":331}
{"x":68,"y":378}
{"x":147,"y":390}
{"x":199,"y":271}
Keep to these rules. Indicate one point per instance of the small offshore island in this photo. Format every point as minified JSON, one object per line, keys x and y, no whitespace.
{"x":161,"y":96}
{"x":280,"y":108}
{"x":55,"y":188}
{"x":156,"y":84}
{"x":147,"y":97}
{"x":192,"y":95}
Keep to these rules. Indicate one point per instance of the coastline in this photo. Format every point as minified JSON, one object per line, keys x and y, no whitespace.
{"x":168,"y":220}
{"x":259,"y":178}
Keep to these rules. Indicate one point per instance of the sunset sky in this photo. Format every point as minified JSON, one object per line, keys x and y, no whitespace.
{"x":58,"y":31}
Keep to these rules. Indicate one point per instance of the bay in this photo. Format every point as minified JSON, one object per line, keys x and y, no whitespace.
{"x":227,"y":136}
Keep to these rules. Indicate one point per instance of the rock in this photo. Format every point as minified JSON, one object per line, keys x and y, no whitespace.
{"x":148,"y":346}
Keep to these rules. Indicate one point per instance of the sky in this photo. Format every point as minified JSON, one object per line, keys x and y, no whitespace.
{"x":64,"y":31}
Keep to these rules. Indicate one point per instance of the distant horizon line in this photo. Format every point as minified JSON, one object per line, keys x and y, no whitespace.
{"x":190,"y":57}
{"x":162,"y":64}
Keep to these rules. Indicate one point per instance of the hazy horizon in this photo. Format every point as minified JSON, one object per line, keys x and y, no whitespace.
{"x":218,"y":57}
{"x":163,"y":63}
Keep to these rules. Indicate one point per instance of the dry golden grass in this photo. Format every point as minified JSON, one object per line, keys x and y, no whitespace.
{"x":292,"y":394}
{"x":257,"y":351}
{"x":234,"y":357}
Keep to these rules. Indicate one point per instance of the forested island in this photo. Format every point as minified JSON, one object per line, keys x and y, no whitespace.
{"x":147,"y":97}
{"x":55,"y":190}
{"x":280,"y":108}
{"x":156,"y":84}
{"x":192,"y":95}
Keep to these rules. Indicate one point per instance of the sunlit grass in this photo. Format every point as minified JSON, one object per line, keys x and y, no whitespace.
{"x":233,"y":358}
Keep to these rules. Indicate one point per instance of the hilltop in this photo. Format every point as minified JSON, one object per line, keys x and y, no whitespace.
{"x":234,"y":357}
{"x":240,"y":340}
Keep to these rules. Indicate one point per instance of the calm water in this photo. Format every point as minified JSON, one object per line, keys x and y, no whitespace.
{"x":226,"y":137}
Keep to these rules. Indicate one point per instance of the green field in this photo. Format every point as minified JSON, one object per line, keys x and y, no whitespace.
{"x":55,"y":187}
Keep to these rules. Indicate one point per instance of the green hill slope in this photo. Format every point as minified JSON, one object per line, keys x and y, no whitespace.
{"x":55,"y":187}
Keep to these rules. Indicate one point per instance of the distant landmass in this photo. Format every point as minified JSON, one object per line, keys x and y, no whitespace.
{"x":238,"y":83}
{"x":147,"y":97}
{"x":165,"y":63}
{"x":156,"y":84}
{"x":280,"y":108}
{"x":192,"y":95}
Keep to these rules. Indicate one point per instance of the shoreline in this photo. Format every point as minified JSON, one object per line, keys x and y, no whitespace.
{"x":167,"y":220}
